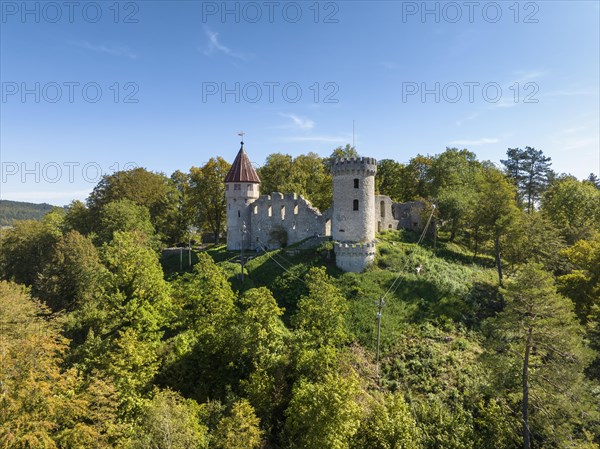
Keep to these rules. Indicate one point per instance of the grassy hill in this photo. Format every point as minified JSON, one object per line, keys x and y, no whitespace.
{"x":450,"y":288}
{"x":11,"y":211}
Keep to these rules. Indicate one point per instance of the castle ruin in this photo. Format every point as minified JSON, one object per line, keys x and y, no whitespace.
{"x":263,"y":222}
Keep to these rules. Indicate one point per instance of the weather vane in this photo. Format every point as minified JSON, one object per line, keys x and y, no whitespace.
{"x":241,"y":134}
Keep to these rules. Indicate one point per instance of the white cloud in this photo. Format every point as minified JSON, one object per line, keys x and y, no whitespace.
{"x":571,"y":93}
{"x":300,"y":122}
{"x":575,"y":144}
{"x":474,"y":143}
{"x":109,"y":49}
{"x":473,"y":116}
{"x":215,"y":46}
{"x":527,"y":75}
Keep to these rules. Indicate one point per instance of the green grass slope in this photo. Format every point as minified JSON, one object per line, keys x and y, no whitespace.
{"x":449,"y":288}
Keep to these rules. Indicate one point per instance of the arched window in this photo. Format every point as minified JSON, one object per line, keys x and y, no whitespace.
{"x":355,"y":205}
{"x":356,"y":184}
{"x":382,"y":207}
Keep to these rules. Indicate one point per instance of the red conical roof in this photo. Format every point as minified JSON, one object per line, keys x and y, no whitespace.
{"x":241,"y":170}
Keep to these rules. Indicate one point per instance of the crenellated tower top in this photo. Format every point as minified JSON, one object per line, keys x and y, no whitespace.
{"x":366,"y":166}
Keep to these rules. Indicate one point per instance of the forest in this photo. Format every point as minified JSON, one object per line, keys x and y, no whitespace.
{"x":11,"y":211}
{"x":107,"y":342}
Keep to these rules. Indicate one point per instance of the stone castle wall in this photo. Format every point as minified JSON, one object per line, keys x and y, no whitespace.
{"x":385,"y":215}
{"x":354,"y":257}
{"x":409,"y":215}
{"x":271,"y":221}
{"x":390,"y":215}
{"x":273,"y":216}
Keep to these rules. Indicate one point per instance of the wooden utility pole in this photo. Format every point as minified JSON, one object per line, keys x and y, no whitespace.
{"x":525,"y":405}
{"x":190,"y":252}
{"x":242,"y":251}
{"x":380,"y":305}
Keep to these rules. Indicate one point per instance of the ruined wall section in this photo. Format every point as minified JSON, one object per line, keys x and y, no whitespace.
{"x":409,"y":215}
{"x":277,"y":215}
{"x":385,"y":213}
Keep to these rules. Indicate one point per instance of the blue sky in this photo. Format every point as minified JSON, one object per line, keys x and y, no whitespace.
{"x":505,"y":74}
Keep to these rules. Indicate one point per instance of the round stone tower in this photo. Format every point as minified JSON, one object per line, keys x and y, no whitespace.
{"x":353,"y":217}
{"x":242,"y":188}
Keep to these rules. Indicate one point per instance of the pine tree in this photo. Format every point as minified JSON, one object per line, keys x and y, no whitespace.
{"x":530,"y":171}
{"x":540,"y":354}
{"x":594,"y":180}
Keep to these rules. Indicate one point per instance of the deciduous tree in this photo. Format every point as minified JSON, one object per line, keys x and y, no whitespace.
{"x":207,"y":192}
{"x":239,"y":430}
{"x":73,"y":275}
{"x":389,"y":424}
{"x":152,"y":190}
{"x":323,"y":414}
{"x":573,"y":207}
{"x":496,"y":209}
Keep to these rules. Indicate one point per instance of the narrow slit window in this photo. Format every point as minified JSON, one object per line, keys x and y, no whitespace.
{"x":270,"y":211}
{"x":283,"y":212}
{"x":355,"y":205}
{"x":382,"y":208}
{"x":356,"y":184}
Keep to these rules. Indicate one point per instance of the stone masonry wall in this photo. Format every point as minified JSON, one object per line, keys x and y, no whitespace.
{"x":237,"y":212}
{"x":353,"y":183}
{"x":354,"y":257}
{"x":273,"y":214}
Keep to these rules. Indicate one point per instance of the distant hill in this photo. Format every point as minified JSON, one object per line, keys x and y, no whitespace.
{"x":11,"y":211}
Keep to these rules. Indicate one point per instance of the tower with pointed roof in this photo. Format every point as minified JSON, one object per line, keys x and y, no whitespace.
{"x":242,"y":188}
